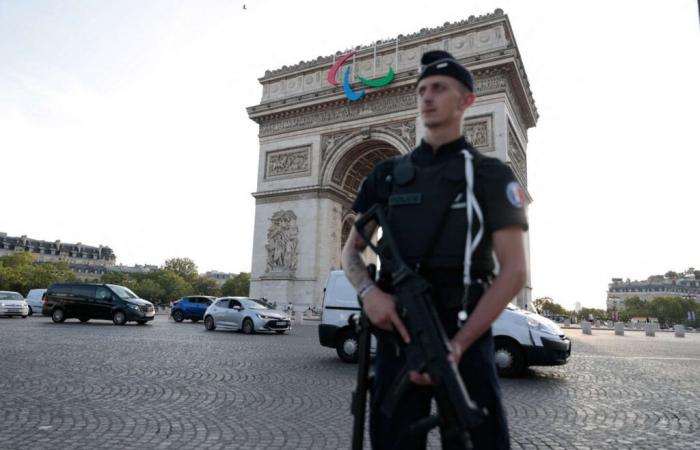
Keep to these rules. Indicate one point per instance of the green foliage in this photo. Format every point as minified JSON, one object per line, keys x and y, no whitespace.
{"x":595,"y":312}
{"x":206,"y":286}
{"x":19,"y":272}
{"x":671,"y":274}
{"x":238,"y":285}
{"x":548,"y":307}
{"x":184,"y":267}
{"x":667,"y":310}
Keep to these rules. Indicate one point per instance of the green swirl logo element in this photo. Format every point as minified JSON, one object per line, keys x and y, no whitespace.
{"x":349,"y":93}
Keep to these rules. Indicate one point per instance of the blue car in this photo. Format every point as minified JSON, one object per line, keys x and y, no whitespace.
{"x":191,"y":307}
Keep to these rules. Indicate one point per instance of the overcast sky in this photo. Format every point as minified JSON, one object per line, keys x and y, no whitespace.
{"x":124,"y":124}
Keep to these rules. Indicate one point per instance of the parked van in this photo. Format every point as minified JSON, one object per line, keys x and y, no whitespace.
{"x":96,"y":301}
{"x":34,"y":300}
{"x":522,"y":338}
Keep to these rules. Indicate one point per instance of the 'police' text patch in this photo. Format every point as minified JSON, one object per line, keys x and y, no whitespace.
{"x":405,"y":199}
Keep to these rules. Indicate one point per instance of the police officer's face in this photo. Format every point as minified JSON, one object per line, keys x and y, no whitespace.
{"x":442,"y":101}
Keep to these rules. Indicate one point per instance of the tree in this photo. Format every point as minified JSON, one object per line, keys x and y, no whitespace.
{"x":238,"y":285}
{"x":20,"y":272}
{"x":184,"y":267}
{"x":206,"y":286}
{"x":671,"y":274}
{"x":149,"y":290}
{"x":548,"y":307}
{"x":173,"y":285}
{"x":45,"y":274}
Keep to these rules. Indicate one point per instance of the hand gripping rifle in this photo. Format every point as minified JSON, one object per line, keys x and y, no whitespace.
{"x":429,"y":346}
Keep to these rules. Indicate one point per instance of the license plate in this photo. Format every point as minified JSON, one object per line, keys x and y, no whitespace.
{"x":281,"y":323}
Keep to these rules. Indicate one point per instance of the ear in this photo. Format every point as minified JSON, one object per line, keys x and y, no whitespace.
{"x":468,"y":100}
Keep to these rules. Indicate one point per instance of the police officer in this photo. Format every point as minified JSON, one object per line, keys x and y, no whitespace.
{"x":465,"y":207}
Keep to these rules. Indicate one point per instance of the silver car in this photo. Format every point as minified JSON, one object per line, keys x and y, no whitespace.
{"x":245,"y":314}
{"x":13,"y":304}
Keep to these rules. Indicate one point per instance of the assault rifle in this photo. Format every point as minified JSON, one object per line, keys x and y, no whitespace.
{"x":428,"y":349}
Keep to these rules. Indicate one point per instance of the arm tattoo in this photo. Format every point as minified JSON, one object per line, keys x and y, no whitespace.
{"x":356,"y":270}
{"x":353,"y":264}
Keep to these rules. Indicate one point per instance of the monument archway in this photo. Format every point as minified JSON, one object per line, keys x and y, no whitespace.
{"x":317,"y":143}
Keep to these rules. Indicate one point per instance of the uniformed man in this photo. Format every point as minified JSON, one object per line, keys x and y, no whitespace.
{"x":480,"y":191}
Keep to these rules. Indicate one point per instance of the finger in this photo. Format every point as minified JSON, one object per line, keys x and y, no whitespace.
{"x":401,"y":328}
{"x":420,"y":379}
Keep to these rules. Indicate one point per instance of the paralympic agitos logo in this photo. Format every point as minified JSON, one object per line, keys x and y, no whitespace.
{"x":349,"y":93}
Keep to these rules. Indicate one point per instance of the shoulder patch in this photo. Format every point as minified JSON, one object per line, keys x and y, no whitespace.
{"x":516,"y":195}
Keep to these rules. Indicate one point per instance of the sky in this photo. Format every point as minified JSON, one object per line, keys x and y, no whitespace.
{"x":124,"y":124}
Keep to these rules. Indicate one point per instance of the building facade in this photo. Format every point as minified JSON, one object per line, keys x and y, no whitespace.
{"x":618,"y":290}
{"x":57,"y":251}
{"x":317,"y":145}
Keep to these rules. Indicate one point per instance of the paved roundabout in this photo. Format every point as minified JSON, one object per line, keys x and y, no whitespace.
{"x":168,"y":385}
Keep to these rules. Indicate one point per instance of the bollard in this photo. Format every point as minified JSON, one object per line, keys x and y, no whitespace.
{"x":586,"y":327}
{"x":649,"y":329}
{"x":619,"y":329}
{"x":298,"y":317}
{"x":680,"y":330}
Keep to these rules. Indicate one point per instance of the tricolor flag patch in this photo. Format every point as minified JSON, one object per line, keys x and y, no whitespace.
{"x":516,"y":194}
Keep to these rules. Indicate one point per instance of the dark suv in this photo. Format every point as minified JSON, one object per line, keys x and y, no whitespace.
{"x":191,"y":307}
{"x":96,"y":301}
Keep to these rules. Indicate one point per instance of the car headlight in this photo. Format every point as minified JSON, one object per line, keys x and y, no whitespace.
{"x":264,"y":317}
{"x":543,"y":326}
{"x":136,"y":307}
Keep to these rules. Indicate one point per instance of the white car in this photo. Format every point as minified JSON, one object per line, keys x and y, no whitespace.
{"x":245,"y":314}
{"x":13,"y":304}
{"x":522,"y":338}
{"x":34,"y":300}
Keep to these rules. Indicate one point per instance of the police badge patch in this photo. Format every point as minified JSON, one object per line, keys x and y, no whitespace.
{"x":515,"y":194}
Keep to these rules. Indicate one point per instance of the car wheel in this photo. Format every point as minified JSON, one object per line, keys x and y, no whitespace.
{"x":510,"y":361}
{"x":58,"y":316}
{"x":24,"y":317}
{"x":31,"y":311}
{"x":346,"y":346}
{"x":194,"y":320}
{"x":280,"y":331}
{"x":119,"y":318}
{"x":178,"y":316}
{"x":83,"y":319}
{"x":209,"y":323}
{"x":141,"y":322}
{"x":248,"y":327}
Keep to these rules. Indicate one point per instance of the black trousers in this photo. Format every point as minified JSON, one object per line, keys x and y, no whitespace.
{"x":478,"y":371}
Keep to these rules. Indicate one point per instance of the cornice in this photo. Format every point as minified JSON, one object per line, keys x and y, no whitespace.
{"x":424,"y":33}
{"x":301,"y":193}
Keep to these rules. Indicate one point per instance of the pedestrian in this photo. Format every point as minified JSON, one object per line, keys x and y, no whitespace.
{"x":444,"y":176}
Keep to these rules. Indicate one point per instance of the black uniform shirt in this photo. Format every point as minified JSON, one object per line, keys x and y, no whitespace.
{"x":500,"y":196}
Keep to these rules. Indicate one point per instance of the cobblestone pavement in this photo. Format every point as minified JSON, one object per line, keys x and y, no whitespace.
{"x":168,"y":385}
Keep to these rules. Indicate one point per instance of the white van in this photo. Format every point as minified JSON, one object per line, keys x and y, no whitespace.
{"x":34,"y":300}
{"x":522,"y":338}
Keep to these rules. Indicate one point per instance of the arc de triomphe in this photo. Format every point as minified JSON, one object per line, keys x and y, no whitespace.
{"x":316,"y":146}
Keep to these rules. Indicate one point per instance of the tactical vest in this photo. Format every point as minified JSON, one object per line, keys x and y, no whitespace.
{"x":416,"y":206}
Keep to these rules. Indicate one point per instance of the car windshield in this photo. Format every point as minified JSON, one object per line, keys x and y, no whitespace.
{"x":252,"y":304}
{"x":10,"y":296}
{"x":122,"y":292}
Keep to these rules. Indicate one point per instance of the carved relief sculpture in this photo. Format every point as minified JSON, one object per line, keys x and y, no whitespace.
{"x":287,"y":162}
{"x":282,"y":242}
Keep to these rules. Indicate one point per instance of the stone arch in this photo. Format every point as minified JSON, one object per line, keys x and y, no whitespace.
{"x":351,"y":160}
